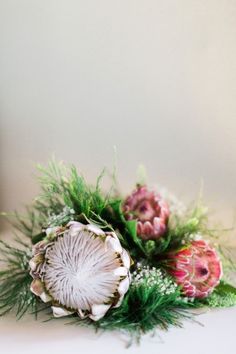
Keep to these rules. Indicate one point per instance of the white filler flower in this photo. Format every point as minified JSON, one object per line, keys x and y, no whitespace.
{"x":80,"y":268}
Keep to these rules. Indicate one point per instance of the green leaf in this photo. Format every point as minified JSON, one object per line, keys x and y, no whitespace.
{"x":38,"y":237}
{"x":116,"y":207}
{"x":224,"y":295}
{"x":224,"y":288}
{"x":131,"y":226}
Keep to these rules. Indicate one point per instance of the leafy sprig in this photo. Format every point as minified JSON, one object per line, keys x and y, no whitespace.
{"x":15,"y":281}
{"x":144,"y":307}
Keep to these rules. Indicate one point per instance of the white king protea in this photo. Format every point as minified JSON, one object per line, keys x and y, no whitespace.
{"x":80,"y":269}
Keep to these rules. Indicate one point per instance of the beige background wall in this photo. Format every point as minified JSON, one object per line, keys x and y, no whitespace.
{"x":156,"y":78}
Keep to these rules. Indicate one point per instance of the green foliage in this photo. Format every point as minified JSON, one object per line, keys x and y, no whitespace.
{"x":143,"y":309}
{"x":65,"y":195}
{"x":61,"y":186}
{"x":181,"y":230}
{"x":179,"y":233}
{"x":126,"y":229}
{"x":153,"y":301}
{"x":223,"y":296}
{"x":15,"y":281}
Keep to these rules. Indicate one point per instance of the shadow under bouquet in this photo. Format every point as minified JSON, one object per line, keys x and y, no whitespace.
{"x":136,"y":263}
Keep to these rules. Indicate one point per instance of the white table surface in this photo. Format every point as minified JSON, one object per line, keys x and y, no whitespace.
{"x":216,"y":335}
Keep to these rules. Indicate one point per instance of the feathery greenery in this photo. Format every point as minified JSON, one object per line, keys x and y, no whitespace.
{"x":65,"y":195}
{"x":144,"y":308}
{"x":15,"y":281}
{"x":224,"y":295}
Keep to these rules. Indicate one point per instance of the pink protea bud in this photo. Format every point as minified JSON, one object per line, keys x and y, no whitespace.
{"x":196,"y":268}
{"x":150,"y":211}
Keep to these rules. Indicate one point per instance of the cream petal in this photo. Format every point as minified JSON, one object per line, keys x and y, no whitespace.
{"x":125,"y":257}
{"x":112,"y":243}
{"x":114,"y":235}
{"x":37,"y":287}
{"x":35,"y":261}
{"x":76,"y":224}
{"x":39,"y":247}
{"x":33,"y":264}
{"x":121,"y":271}
{"x":95,"y":318}
{"x":45,"y":297}
{"x":95,"y":229}
{"x":98,"y":311}
{"x":119,"y":302}
{"x":60,"y":311}
{"x":81,"y":314}
{"x":75,"y":227}
{"x":124,"y":286}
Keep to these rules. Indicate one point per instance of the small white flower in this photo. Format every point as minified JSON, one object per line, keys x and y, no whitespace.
{"x":149,"y":277}
{"x":197,"y":237}
{"x":66,"y":215}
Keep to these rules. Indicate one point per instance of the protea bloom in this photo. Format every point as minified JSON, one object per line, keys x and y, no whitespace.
{"x":150,"y":211}
{"x":196,"y":268}
{"x":80,"y":269}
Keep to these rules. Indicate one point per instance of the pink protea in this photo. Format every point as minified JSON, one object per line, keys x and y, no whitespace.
{"x":150,"y":211}
{"x":196,"y":268}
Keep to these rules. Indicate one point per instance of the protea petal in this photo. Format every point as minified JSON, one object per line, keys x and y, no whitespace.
{"x":60,"y":311}
{"x":125,"y":257}
{"x":98,"y":311}
{"x":150,"y":211}
{"x":37,"y":288}
{"x":197,"y":269}
{"x":124,"y":286}
{"x":83,"y":267}
{"x":113,"y":244}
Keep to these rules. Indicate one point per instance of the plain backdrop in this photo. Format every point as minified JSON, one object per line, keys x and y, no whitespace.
{"x":155,"y":78}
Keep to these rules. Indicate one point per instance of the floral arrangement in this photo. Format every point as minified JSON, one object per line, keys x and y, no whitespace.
{"x":135,"y":263}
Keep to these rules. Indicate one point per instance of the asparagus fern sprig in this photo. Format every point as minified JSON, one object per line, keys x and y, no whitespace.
{"x":15,"y":281}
